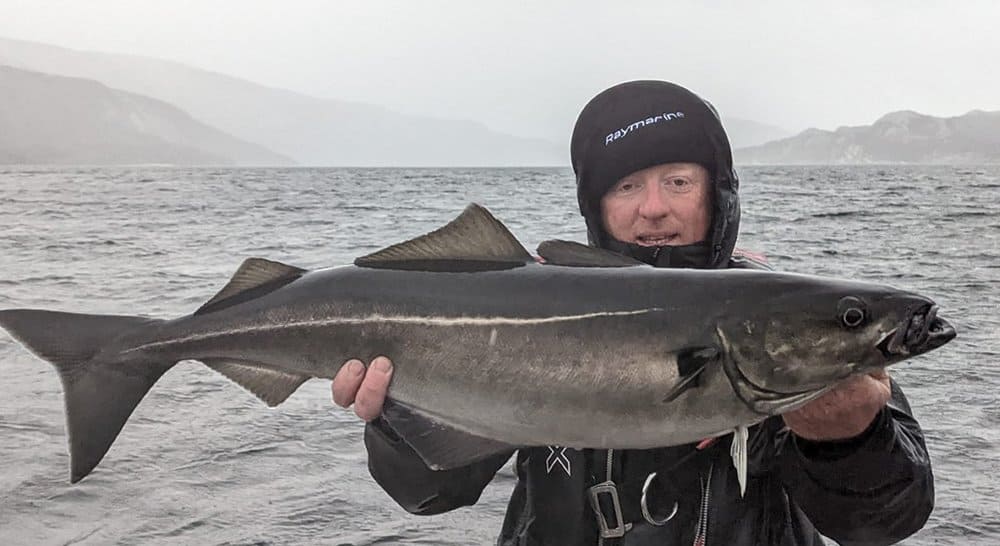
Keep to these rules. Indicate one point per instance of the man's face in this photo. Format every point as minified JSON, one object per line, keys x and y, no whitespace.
{"x":668,"y":204}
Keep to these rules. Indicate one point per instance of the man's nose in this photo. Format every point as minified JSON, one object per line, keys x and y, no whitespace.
{"x":655,"y":203}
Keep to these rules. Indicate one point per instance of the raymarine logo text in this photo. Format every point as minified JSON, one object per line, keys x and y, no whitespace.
{"x":641,"y":123}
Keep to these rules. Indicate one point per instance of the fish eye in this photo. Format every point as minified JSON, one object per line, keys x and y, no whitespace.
{"x":853,"y":317}
{"x":852,"y":312}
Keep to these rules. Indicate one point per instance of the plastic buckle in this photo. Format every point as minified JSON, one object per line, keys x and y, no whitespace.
{"x":620,"y":527}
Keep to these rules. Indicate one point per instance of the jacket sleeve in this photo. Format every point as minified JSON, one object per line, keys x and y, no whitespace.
{"x":874,"y":489}
{"x":418,"y":489}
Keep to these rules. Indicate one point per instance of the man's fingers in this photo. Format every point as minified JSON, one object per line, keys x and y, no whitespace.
{"x":347,"y":382}
{"x":371,"y":395}
{"x":844,"y":412}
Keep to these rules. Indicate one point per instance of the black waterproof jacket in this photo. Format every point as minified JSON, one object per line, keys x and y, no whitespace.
{"x":874,"y":489}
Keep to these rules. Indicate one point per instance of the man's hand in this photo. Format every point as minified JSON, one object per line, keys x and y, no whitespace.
{"x":365,"y":388}
{"x":844,"y":412}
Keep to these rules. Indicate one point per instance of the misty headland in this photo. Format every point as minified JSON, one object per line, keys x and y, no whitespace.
{"x":63,"y":106}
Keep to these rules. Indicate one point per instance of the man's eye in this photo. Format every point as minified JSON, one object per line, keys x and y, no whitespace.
{"x":679,"y":184}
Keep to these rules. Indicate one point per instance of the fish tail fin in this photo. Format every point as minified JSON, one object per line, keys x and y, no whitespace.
{"x":99,"y":395}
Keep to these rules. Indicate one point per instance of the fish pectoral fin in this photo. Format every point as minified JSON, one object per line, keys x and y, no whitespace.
{"x":690,"y":365}
{"x":254,"y":278}
{"x":573,"y":254}
{"x":270,"y":385}
{"x":474,"y":241}
{"x":441,"y":447}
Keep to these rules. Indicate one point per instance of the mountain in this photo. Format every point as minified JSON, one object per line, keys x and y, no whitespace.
{"x":310,"y":130}
{"x":897,"y":137}
{"x":55,"y":119}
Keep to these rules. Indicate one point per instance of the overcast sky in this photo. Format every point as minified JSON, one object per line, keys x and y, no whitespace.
{"x":528,"y":67}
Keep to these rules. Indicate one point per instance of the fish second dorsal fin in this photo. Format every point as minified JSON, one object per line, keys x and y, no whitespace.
{"x":254,"y":278}
{"x":475,"y":240}
{"x":570,"y":253}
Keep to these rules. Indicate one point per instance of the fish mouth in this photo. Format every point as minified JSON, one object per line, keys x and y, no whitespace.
{"x":919,"y":333}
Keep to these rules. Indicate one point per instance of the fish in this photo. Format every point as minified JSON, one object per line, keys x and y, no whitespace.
{"x":494,"y":350}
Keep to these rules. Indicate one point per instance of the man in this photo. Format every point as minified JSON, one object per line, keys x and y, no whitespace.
{"x":655,"y":181}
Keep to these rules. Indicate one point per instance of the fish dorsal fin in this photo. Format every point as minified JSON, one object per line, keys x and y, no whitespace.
{"x":475,"y":240}
{"x":557,"y":252}
{"x":270,"y":385}
{"x":254,"y":278}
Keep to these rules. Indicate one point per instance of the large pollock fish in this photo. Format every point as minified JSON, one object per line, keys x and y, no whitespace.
{"x":493,"y":350}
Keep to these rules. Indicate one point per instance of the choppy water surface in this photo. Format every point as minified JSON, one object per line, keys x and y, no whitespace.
{"x":203,"y":462}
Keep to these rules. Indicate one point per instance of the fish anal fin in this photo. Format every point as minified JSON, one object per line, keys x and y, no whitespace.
{"x":441,"y":447}
{"x":254,"y":278}
{"x":475,"y":240}
{"x":691,"y":363}
{"x":571,"y":253}
{"x":271,"y":386}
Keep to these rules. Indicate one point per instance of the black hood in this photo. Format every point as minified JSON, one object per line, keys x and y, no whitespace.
{"x":636,"y":125}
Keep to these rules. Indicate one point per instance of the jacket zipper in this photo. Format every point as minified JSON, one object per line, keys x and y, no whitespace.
{"x":611,"y":453}
{"x":701,"y":537}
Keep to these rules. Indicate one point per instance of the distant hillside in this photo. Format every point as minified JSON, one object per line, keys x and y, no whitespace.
{"x":898,"y":137}
{"x":310,"y":130}
{"x":54,"y":119}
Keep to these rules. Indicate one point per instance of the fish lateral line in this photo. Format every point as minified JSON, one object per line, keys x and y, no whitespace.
{"x":396,"y":319}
